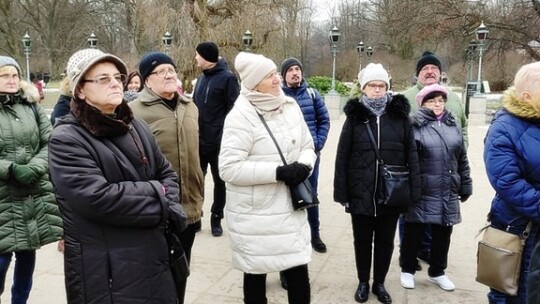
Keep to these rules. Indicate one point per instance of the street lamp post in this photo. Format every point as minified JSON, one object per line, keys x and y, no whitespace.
{"x":247,"y":38}
{"x":167,"y":41}
{"x":369,"y":52}
{"x":481,"y":35}
{"x":92,"y":41}
{"x":334,"y":37}
{"x":26,"y":47}
{"x":471,"y":49}
{"x":360,"y":49}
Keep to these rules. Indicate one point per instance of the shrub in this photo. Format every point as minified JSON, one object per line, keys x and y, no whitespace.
{"x":323,"y":84}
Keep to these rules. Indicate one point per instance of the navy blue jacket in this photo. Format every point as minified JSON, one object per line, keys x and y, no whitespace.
{"x":215,"y":93}
{"x":314,"y":110}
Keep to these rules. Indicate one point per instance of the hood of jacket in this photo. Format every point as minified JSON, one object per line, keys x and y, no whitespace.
{"x":397,"y":107}
{"x":26,"y":92}
{"x":518,"y":107}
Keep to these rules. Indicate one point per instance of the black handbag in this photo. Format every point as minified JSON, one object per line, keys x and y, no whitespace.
{"x":301,"y":194}
{"x":177,"y":260}
{"x":393,"y":187}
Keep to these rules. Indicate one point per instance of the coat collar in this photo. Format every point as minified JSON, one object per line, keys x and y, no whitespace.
{"x":398,"y":107}
{"x":517,"y":107}
{"x":99,"y":124}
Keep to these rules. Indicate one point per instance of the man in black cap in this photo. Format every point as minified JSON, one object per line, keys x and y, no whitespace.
{"x":428,"y":71}
{"x":215,"y":93}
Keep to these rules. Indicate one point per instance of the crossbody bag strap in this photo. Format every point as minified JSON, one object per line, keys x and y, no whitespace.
{"x":273,"y":138}
{"x":373,"y":143}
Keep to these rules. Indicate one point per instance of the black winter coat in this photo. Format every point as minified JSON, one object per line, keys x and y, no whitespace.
{"x":215,"y":93}
{"x":445,"y":173}
{"x":356,"y":163}
{"x":110,"y":178}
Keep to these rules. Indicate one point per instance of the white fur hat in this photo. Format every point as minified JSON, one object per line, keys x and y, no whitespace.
{"x":253,"y":68}
{"x":373,"y":71}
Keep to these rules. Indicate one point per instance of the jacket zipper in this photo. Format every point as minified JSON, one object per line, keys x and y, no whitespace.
{"x":207,"y":89}
{"x":377,"y":167}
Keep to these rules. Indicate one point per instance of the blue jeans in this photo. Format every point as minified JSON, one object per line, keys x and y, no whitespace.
{"x":25,"y":262}
{"x":313,"y":212}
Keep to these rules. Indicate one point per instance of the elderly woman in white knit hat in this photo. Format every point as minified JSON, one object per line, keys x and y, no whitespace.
{"x":29,"y":216}
{"x":266,"y":233}
{"x":375,"y":119}
{"x":116,"y":191}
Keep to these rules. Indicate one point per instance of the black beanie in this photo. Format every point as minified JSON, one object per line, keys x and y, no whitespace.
{"x":208,"y":50}
{"x":151,"y":60}
{"x":287,"y":63}
{"x":427,"y":58}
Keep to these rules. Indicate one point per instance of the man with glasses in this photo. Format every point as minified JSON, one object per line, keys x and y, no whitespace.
{"x":215,"y":93}
{"x":428,"y":71}
{"x":174,"y":122}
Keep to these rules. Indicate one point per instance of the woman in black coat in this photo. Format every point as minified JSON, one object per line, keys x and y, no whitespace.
{"x":115,"y":189}
{"x":446,"y":180}
{"x":356,"y":174}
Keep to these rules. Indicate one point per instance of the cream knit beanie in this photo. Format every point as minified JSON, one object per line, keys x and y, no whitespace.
{"x":373,"y":71}
{"x":253,"y":68}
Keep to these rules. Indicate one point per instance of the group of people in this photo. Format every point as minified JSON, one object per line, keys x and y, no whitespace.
{"x":125,"y":173}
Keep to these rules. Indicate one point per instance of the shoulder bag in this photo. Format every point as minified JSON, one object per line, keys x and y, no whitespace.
{"x":302,"y":194}
{"x":177,"y":260}
{"x":393,"y":187}
{"x":499,"y":258}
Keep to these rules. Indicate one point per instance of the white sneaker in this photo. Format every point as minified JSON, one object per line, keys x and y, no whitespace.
{"x":407,"y":280}
{"x":443,"y":282}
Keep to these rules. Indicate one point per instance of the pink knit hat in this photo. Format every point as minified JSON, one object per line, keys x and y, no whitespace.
{"x":427,"y":90}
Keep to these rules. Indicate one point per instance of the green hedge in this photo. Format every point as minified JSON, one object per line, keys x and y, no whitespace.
{"x":323,"y":84}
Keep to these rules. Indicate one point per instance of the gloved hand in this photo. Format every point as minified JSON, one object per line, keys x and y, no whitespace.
{"x":24,"y":174}
{"x":292,"y":174}
{"x":177,"y":218}
{"x":464,"y":198}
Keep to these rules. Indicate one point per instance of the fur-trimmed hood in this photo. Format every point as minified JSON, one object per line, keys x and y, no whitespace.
{"x":516,"y":106}
{"x":397,"y":107}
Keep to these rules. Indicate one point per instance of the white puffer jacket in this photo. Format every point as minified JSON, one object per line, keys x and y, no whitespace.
{"x":266,"y":234}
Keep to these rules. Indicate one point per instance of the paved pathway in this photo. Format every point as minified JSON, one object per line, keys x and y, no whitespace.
{"x":333,"y":274}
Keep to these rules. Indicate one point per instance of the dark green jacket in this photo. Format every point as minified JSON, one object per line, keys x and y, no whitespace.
{"x":29,"y":215}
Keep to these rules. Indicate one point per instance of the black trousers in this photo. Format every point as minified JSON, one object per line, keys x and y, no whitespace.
{"x":187,"y":238}
{"x":298,"y":291}
{"x":211,"y":158}
{"x":373,"y":237}
{"x":412,"y":242}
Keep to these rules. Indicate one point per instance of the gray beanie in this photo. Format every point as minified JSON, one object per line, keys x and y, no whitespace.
{"x":6,"y":60}
{"x":289,"y":62}
{"x":80,"y":62}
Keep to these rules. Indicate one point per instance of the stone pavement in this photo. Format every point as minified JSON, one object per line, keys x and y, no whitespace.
{"x":333,"y":274}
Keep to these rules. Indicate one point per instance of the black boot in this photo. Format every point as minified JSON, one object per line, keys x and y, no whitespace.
{"x":382,"y":295}
{"x":362,"y":292}
{"x":283,"y":280}
{"x":318,"y":245}
{"x":215,"y":223}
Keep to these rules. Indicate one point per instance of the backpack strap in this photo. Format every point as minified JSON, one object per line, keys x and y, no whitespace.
{"x":311,"y":93}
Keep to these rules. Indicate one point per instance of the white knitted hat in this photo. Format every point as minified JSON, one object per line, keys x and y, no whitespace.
{"x":373,"y":71}
{"x":80,"y":62}
{"x":6,"y":60}
{"x":253,"y":68}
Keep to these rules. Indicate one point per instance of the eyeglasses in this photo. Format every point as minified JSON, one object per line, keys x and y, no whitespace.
{"x":164,"y":72}
{"x":434,"y":101}
{"x":106,"y":79}
{"x":374,"y":86}
{"x":8,"y":76}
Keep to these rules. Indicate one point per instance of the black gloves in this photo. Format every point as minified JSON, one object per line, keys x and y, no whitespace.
{"x":292,"y":174}
{"x":464,"y":198}
{"x":23,"y":174}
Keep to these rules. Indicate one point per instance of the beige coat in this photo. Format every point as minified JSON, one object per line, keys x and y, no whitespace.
{"x":177,"y":133}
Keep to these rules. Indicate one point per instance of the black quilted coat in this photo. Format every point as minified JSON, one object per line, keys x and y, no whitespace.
{"x":356,"y":163}
{"x":110,"y":178}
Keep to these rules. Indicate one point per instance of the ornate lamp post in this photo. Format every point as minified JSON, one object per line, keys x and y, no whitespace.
{"x":471,"y":50}
{"x":360,"y":49}
{"x":167,"y":40}
{"x":247,"y":38}
{"x":92,"y":41}
{"x":334,"y":37}
{"x":26,"y":47}
{"x":369,"y":52}
{"x":481,"y":35}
